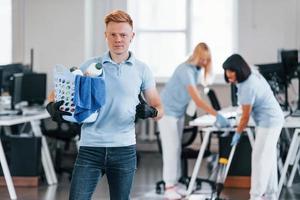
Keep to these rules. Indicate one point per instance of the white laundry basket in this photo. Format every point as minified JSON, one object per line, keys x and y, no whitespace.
{"x":64,"y":85}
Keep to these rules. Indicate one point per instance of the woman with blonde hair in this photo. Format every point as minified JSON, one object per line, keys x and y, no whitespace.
{"x":178,"y":92}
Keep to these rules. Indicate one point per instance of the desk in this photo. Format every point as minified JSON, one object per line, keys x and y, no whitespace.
{"x":206,"y":124}
{"x":293,"y":155}
{"x":34,"y":120}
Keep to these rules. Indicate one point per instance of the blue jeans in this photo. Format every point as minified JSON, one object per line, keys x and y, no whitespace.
{"x":118,"y":163}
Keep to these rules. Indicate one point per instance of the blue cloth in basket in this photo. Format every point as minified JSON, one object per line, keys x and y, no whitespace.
{"x":89,"y":96}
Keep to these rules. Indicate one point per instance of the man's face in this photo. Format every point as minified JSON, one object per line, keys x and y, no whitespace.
{"x":119,"y":36}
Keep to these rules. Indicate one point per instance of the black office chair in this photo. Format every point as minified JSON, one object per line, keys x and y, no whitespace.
{"x":66,"y":134}
{"x":187,"y":153}
{"x":189,"y":135}
{"x":216,"y":105}
{"x":212,"y":98}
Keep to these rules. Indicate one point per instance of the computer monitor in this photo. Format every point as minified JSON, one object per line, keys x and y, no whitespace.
{"x":274,"y":73}
{"x":289,"y":59}
{"x":6,"y":72}
{"x":15,"y":90}
{"x":34,"y":88}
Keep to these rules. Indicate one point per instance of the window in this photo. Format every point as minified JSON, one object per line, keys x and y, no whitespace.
{"x":6,"y":32}
{"x":212,"y":21}
{"x":167,"y":31}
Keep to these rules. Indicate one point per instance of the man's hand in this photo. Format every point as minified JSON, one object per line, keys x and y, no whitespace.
{"x":235,"y":139}
{"x":55,"y":113}
{"x":144,"y":111}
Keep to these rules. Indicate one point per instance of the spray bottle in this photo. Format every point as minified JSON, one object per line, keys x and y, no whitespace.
{"x":95,"y":69}
{"x":76,"y":71}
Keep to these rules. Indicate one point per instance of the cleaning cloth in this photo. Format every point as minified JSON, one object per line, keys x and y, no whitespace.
{"x":89,"y":96}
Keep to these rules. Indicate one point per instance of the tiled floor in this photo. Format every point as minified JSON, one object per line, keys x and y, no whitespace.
{"x":149,"y":171}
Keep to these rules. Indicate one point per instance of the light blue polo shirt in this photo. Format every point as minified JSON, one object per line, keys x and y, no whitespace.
{"x":255,"y":91}
{"x":175,"y":96}
{"x":115,"y":125}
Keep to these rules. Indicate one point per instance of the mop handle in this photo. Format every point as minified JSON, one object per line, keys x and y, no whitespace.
{"x":229,"y":160}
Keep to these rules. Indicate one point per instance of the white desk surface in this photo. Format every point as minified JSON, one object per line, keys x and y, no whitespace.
{"x":33,"y":118}
{"x":292,"y":122}
{"x":208,"y":120}
{"x":19,"y":119}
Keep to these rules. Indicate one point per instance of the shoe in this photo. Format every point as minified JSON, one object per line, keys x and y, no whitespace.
{"x":172,"y":193}
{"x":181,"y":189}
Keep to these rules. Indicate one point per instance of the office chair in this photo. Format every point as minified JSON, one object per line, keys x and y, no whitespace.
{"x":189,"y":135}
{"x":216,"y":105}
{"x":212,"y":98}
{"x":187,"y":153}
{"x":65,"y":133}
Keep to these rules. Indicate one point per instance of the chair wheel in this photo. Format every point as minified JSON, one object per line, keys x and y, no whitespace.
{"x":198,"y":184}
{"x":185,"y":181}
{"x":160,"y":187}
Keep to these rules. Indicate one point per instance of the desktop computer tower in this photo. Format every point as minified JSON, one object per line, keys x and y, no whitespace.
{"x":23,"y":155}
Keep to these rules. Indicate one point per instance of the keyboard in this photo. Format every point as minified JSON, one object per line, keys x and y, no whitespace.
{"x":10,"y":112}
{"x":296,"y":113}
{"x":33,"y":110}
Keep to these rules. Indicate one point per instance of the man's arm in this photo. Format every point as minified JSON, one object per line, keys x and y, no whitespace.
{"x":51,"y":96}
{"x":152,"y":97}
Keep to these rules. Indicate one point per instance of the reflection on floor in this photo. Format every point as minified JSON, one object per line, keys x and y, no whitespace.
{"x":149,"y":171}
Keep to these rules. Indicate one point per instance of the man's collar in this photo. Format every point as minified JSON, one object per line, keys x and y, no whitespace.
{"x":106,"y":58}
{"x":130,"y":60}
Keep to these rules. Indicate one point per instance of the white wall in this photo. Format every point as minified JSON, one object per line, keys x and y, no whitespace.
{"x":264,"y":26}
{"x":60,"y":31}
{"x":98,"y":12}
{"x":54,"y":29}
{"x":69,"y":31}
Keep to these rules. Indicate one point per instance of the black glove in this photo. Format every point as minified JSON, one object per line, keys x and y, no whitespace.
{"x":143,"y":110}
{"x":54,"y":111}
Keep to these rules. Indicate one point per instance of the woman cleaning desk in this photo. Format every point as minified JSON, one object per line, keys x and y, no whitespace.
{"x":256,"y":99}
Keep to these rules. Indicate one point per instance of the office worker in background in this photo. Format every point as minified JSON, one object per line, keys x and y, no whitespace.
{"x":180,"y":89}
{"x":107,"y":146}
{"x":257,"y":99}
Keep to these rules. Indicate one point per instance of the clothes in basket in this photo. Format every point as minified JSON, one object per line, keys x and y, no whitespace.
{"x":79,"y":94}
